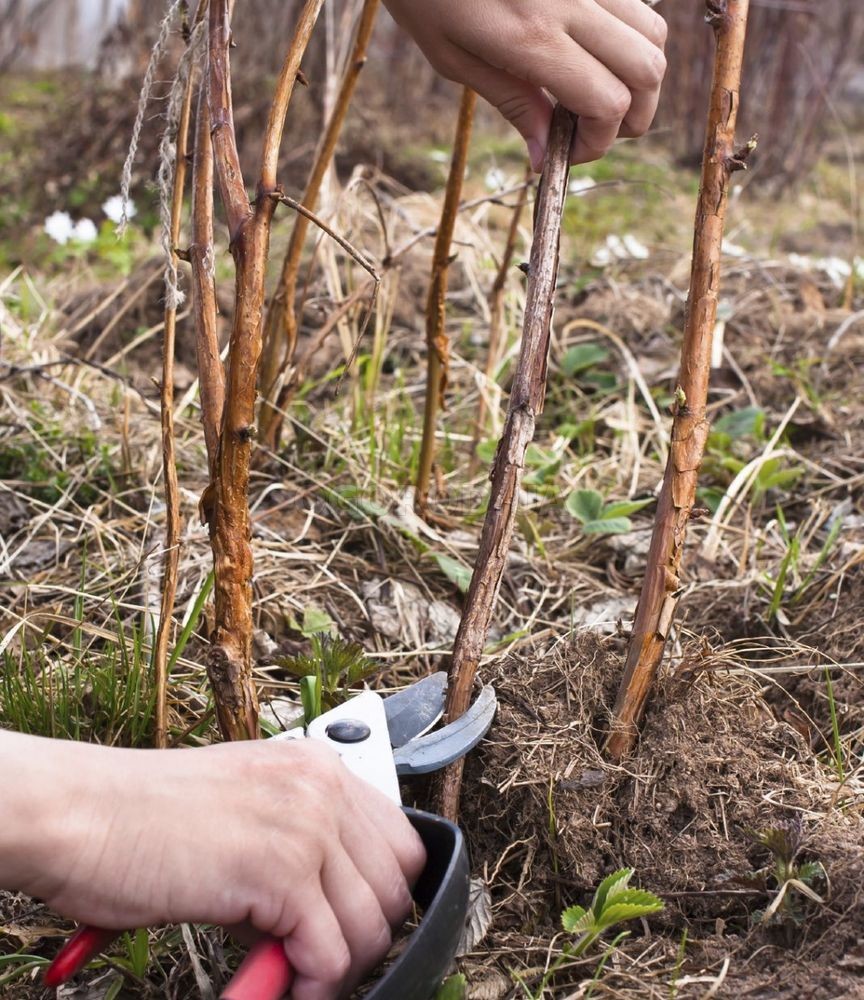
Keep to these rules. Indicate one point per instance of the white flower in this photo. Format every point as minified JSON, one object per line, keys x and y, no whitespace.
{"x":581,"y":184}
{"x":635,"y":248}
{"x":113,"y":208}
{"x":59,"y":227}
{"x":625,"y":247}
{"x":495,"y":179}
{"x":85,"y":231}
{"x":602,"y":257}
{"x":733,"y":249}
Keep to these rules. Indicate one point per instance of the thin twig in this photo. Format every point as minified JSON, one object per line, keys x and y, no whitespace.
{"x":280,"y":327}
{"x":526,"y":403}
{"x":176,"y":144}
{"x":496,"y":323}
{"x":437,"y":344}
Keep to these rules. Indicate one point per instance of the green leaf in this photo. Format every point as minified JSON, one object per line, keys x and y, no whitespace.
{"x":113,"y":990}
{"x":582,"y":357}
{"x":537,"y":457}
{"x":748,"y":422}
{"x":608,"y":526}
{"x":624,"y":508}
{"x":298,"y":666}
{"x":454,"y":988}
{"x":620,"y":878}
{"x":576,"y":919}
{"x":711,"y":496}
{"x":316,"y":620}
{"x":486,"y":450}
{"x":810,"y":872}
{"x":618,"y":913}
{"x":602,"y":381}
{"x":584,"y":505}
{"x":310,"y":697}
{"x":138,"y":949}
{"x":454,"y":570}
{"x":633,"y":897}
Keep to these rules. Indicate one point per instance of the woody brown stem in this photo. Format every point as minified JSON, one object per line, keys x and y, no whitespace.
{"x":437,"y":344}
{"x":226,"y":506}
{"x":211,"y":374}
{"x":280,"y":328}
{"x":169,"y":462}
{"x":496,"y":318}
{"x":526,"y":403}
{"x":660,"y":590}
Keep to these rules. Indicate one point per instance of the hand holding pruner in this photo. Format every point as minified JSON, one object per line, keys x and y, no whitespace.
{"x":378,"y":739}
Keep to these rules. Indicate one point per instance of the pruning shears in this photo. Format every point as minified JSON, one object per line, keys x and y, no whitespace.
{"x":378,"y":739}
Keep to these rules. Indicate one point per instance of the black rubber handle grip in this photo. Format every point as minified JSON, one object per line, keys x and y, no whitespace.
{"x":442,"y":892}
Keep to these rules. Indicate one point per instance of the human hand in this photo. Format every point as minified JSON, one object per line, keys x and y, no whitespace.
{"x":279,"y":836}
{"x":602,"y":59}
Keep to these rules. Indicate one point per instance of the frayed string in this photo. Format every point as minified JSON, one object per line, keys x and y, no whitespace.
{"x":156,"y":54}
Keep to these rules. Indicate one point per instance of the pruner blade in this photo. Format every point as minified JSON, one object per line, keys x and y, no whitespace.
{"x":438,"y":749}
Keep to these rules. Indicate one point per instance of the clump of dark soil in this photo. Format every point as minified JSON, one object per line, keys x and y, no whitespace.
{"x":549,"y":817}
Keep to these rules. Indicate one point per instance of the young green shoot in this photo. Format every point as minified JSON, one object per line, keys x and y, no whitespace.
{"x":793,"y":879}
{"x":600,"y":518}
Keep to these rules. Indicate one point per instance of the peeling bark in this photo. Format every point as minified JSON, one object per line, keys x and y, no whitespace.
{"x":660,"y":590}
{"x":225,"y":504}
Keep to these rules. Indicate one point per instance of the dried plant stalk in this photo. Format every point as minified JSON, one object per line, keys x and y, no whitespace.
{"x":437,"y":344}
{"x":171,"y":558}
{"x":659,"y":596}
{"x":211,"y":374}
{"x":280,"y":328}
{"x":526,"y":403}
{"x":225,"y":504}
{"x":496,"y":319}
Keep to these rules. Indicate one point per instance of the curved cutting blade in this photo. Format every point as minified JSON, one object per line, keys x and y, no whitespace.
{"x":438,"y":749}
{"x":414,"y":711}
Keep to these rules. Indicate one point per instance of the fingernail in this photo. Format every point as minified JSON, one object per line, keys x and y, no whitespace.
{"x":536,"y":152}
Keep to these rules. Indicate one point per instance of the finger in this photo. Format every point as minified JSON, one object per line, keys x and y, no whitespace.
{"x":362,"y":921}
{"x":387,"y":825}
{"x":643,"y":19}
{"x":526,"y":107}
{"x":553,"y":60}
{"x":379,"y":867}
{"x":638,"y":119}
{"x":628,"y":54}
{"x":593,"y":140}
{"x":317,"y":949}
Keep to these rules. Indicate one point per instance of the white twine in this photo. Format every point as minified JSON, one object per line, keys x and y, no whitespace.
{"x":174,"y":297}
{"x":156,"y":54}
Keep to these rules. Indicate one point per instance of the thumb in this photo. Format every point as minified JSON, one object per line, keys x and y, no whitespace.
{"x":526,"y":107}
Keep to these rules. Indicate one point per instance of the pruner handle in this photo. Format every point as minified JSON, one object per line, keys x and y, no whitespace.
{"x":266,"y":973}
{"x":442,"y":893}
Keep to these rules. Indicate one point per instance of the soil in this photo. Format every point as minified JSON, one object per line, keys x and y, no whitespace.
{"x":549,"y":817}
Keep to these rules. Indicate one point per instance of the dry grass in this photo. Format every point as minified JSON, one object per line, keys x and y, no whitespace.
{"x":742,"y":731}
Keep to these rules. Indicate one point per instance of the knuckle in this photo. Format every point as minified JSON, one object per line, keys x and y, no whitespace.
{"x":398,"y":900}
{"x":380,"y":940}
{"x":416,"y":857}
{"x":535,"y":31}
{"x":655,"y":68}
{"x":658,"y":29}
{"x":616,"y":104}
{"x":337,"y":963}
